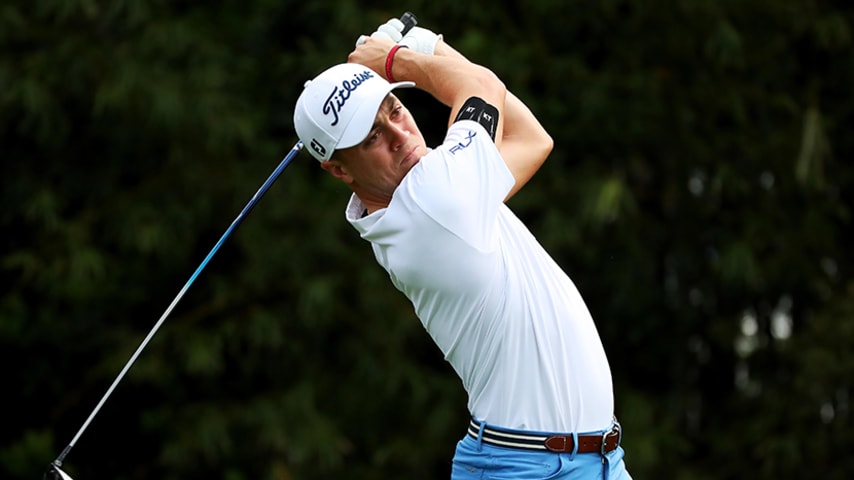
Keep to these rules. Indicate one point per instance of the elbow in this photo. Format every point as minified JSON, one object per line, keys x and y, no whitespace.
{"x":548,"y":143}
{"x":545,"y":145}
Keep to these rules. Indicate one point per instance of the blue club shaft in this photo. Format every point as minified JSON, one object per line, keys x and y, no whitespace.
{"x":248,"y":208}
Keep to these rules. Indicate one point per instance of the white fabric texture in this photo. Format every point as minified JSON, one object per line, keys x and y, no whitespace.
{"x":506,"y":316}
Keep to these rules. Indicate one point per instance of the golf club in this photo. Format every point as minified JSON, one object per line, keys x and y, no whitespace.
{"x":408,"y":19}
{"x":54,"y":470}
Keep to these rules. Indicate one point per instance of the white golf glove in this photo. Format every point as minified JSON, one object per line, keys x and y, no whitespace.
{"x":418,"y":39}
{"x":421,"y":40}
{"x":389,"y":30}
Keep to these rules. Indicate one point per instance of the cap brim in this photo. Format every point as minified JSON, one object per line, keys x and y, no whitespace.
{"x":362,"y":122}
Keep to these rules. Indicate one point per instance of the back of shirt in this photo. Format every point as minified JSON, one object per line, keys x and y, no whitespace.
{"x":507,"y":318}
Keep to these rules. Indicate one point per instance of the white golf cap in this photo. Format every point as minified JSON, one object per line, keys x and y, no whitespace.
{"x":337,"y":109}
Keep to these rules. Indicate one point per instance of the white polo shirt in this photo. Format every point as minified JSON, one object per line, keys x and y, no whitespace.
{"x":507,"y":318}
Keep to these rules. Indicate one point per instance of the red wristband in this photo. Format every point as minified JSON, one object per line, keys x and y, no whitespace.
{"x":389,"y":60}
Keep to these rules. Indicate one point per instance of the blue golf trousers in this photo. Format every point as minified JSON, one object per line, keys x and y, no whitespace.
{"x":475,"y":460}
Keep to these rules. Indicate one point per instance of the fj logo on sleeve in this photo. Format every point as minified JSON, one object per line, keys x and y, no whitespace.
{"x":459,"y":146}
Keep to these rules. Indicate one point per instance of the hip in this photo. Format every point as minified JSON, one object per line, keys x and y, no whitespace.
{"x":475,"y":459}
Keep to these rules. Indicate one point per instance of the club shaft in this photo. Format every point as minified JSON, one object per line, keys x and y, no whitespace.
{"x":248,"y":208}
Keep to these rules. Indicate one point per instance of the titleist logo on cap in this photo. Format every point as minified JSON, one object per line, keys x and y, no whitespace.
{"x":339,"y":96}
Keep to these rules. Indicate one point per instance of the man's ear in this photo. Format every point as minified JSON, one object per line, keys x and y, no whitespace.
{"x":337,"y":170}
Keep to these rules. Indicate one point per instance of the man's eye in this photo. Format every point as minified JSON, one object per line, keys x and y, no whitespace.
{"x":396,"y":111}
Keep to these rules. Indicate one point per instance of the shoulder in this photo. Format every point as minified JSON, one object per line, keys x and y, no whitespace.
{"x":467,"y":133}
{"x":465,"y":160}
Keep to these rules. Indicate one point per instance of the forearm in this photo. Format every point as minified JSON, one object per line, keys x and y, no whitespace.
{"x":450,"y":79}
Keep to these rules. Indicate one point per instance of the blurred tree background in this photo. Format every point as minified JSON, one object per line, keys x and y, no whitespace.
{"x":699,"y":194}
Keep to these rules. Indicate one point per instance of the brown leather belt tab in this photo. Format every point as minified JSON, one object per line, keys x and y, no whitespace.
{"x":557,"y":443}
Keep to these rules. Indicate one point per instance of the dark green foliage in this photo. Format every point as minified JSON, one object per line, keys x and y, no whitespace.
{"x":699,"y":195}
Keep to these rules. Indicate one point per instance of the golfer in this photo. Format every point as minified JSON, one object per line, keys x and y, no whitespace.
{"x":506,"y":316}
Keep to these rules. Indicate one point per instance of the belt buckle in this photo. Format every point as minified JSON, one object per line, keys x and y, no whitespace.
{"x":617,"y":429}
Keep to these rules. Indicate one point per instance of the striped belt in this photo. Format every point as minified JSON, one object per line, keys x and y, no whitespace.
{"x":550,"y":442}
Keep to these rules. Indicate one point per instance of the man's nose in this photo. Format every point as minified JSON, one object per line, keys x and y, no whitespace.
{"x":399,"y":135}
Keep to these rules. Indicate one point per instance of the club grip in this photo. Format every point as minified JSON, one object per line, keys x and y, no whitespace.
{"x":409,"y":21}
